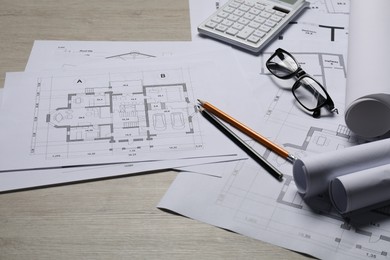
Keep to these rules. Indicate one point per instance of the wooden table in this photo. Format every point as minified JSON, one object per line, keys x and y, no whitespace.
{"x":115,"y":218}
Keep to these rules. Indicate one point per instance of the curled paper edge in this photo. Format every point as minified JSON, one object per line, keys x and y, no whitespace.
{"x":361,"y":189}
{"x":368,"y":116}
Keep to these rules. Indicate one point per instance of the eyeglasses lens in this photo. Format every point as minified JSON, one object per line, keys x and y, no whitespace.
{"x":282,"y":65}
{"x":309,"y":93}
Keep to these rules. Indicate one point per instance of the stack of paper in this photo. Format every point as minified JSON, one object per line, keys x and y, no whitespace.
{"x":249,"y":201}
{"x":85,"y":110}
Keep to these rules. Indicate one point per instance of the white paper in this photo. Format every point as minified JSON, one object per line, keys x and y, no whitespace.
{"x":362,"y":189}
{"x":49,"y":93}
{"x":368,"y":84}
{"x":70,"y":55}
{"x":313,"y":174}
{"x":16,"y":180}
{"x":247,"y":201}
{"x":250,"y":202}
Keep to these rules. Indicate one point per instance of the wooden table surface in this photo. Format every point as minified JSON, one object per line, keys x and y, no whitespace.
{"x":115,"y":218}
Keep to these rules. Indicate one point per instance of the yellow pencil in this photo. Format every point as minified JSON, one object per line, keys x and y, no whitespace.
{"x":248,"y":131}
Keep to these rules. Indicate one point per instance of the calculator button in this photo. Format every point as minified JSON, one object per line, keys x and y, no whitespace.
{"x":244,"y":8}
{"x":221,"y":28}
{"x":217,"y":19}
{"x":233,"y":17}
{"x":270,"y":23}
{"x":265,"y":28}
{"x":232,"y":31}
{"x":229,"y":9}
{"x":254,"y":11}
{"x":249,"y":16}
{"x":238,"y":12}
{"x":253,"y":39}
{"x":259,"y":6}
{"x":223,"y":14}
{"x":243,"y":21}
{"x":250,"y":4}
{"x":258,"y":33}
{"x":254,"y":24}
{"x":234,"y":5}
{"x":245,"y":33}
{"x":265,"y":14}
{"x":238,"y":26}
{"x":270,"y":10}
{"x":211,"y":24}
{"x":259,"y":20}
{"x":227,"y":23}
{"x":281,"y":14}
{"x":275,"y":18}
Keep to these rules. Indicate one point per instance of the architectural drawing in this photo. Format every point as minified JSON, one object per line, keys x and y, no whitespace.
{"x":326,"y":20}
{"x":331,"y":6}
{"x":262,"y":203}
{"x":131,"y":55}
{"x":258,"y":203}
{"x":311,"y":30}
{"x":114,"y":113}
{"x":73,"y":54}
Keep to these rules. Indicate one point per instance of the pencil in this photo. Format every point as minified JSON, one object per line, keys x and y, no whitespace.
{"x":248,"y":131}
{"x":242,"y":144}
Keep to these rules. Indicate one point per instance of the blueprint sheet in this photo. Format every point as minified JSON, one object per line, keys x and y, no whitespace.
{"x":249,"y":201}
{"x":125,"y":115}
{"x":246,"y":199}
{"x":16,"y":180}
{"x":75,"y":55}
{"x":72,"y":55}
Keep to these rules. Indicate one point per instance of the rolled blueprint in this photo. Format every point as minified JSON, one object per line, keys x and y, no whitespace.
{"x":361,"y":189}
{"x":368,"y":77}
{"x":313,"y":174}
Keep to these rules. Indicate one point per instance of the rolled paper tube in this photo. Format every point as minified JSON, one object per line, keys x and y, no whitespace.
{"x":368,"y":86}
{"x":362,"y":189}
{"x":313,"y":174}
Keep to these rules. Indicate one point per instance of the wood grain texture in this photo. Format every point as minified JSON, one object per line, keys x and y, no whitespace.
{"x":115,"y":218}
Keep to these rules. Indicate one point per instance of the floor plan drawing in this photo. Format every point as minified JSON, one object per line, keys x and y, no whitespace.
{"x":331,"y":6}
{"x":315,"y":31}
{"x":324,"y":20}
{"x":257,"y":202}
{"x":127,"y":114}
{"x":249,"y":201}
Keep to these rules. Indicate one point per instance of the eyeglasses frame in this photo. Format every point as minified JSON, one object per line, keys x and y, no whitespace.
{"x":299,"y":75}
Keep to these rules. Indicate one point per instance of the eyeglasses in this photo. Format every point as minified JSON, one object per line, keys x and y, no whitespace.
{"x":306,"y":90}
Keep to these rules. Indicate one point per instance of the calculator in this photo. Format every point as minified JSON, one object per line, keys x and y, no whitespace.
{"x":251,"y":24}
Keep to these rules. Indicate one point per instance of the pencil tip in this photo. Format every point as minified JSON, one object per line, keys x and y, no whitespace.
{"x":200,"y":101}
